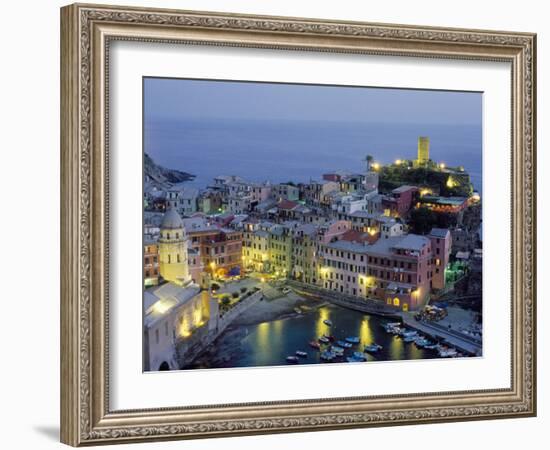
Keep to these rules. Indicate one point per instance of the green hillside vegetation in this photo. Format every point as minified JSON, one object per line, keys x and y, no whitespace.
{"x":448,"y":182}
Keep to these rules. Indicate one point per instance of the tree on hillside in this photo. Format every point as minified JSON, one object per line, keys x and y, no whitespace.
{"x":422,"y":220}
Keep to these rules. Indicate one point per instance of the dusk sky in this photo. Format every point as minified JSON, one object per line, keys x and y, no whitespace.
{"x":198,"y":99}
{"x":277,"y":132}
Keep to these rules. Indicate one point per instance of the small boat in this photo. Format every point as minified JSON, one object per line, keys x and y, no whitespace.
{"x":352,"y":359}
{"x":301,"y":353}
{"x":315,"y":344}
{"x":431,"y":346}
{"x":338,"y":351}
{"x":391,"y":327}
{"x":408,"y":333}
{"x":448,"y":353}
{"x":329,"y":337}
{"x":328,"y":356}
{"x":344,"y":344}
{"x":421,"y":342}
{"x":292,"y":359}
{"x":359,"y":355}
{"x":327,"y":322}
{"x":409,"y":339}
{"x":353,"y":339}
{"x":373,"y":348}
{"x":297,"y":310}
{"x":324,"y":340}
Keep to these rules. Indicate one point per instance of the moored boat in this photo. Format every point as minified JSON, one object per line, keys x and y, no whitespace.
{"x":372,"y":348}
{"x":327,"y":322}
{"x":449,"y":353}
{"x":352,"y":359}
{"x":292,"y":359}
{"x":315,"y":344}
{"x":328,"y":356}
{"x":353,"y":339}
{"x":301,"y":353}
{"x":344,"y":344}
{"x":408,"y":333}
{"x":338,"y":351}
{"x":421,"y":342}
{"x":359,"y":355}
{"x":324,"y":340}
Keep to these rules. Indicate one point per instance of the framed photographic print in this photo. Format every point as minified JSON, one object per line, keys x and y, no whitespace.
{"x":275,"y":224}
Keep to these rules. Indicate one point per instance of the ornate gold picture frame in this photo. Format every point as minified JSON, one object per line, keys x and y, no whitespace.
{"x":87,"y":32}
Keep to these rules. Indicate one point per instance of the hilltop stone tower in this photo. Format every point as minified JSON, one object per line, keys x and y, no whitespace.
{"x":423,"y":151}
{"x":173,"y":260}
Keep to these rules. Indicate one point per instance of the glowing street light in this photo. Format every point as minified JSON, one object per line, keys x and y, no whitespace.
{"x":398,"y":162}
{"x":375,"y":166}
{"x":442,"y":166}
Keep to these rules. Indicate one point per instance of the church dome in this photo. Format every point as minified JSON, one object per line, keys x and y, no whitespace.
{"x":171,"y":220}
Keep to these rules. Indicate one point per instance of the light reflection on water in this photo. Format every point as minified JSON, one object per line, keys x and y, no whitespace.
{"x":269,"y":343}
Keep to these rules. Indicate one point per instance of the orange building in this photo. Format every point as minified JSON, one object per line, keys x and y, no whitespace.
{"x":150,"y":263}
{"x":218,"y":249}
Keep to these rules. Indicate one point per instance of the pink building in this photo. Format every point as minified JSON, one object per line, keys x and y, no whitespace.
{"x":400,"y":270}
{"x":401,"y":200}
{"x":334,"y":229}
{"x":260,"y":193}
{"x":441,"y":249}
{"x":332,"y":177}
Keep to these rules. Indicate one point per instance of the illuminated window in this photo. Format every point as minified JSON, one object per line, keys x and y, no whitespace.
{"x":395,"y":301}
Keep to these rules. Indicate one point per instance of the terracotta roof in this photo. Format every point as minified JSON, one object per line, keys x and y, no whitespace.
{"x":355,"y":236}
{"x":287,"y":204}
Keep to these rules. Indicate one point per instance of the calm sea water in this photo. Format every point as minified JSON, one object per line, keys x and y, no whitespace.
{"x":269,"y":343}
{"x":278,"y":151}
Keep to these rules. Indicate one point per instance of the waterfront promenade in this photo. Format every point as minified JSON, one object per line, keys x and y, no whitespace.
{"x":453,"y":338}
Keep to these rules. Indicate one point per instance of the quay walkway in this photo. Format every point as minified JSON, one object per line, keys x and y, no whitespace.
{"x":453,"y":338}
{"x":366,"y":306}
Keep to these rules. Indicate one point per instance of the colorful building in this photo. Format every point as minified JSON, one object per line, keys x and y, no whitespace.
{"x":400,"y":202}
{"x":304,"y":253}
{"x":285,"y":191}
{"x":401,"y":270}
{"x":256,"y":246}
{"x":315,"y":192}
{"x":398,"y":270}
{"x":343,"y":268}
{"x":219,"y":249}
{"x":150,"y":263}
{"x":280,"y":250}
{"x":173,"y":264}
{"x":441,"y":247}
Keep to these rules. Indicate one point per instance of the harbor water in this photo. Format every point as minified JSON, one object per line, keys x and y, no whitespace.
{"x":269,"y":343}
